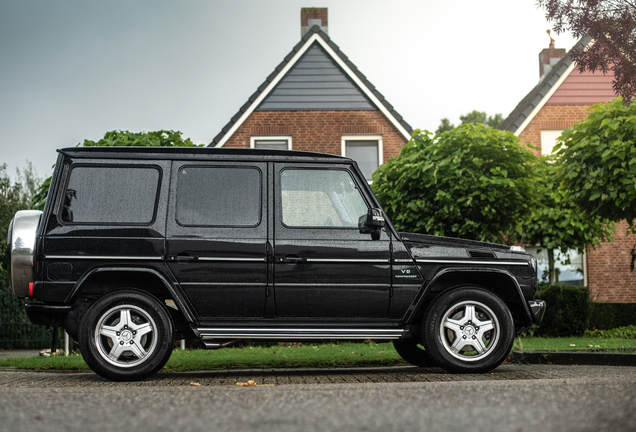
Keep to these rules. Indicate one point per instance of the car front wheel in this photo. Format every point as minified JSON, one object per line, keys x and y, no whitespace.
{"x":126,"y":336}
{"x":468,"y":330}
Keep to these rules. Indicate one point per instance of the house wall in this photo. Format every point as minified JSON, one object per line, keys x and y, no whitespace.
{"x":609,"y":276}
{"x":319,"y":131}
{"x":551,"y":117}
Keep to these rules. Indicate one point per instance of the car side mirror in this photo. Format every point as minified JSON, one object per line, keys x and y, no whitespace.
{"x":372,"y":223}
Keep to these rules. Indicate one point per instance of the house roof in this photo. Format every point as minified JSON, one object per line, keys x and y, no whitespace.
{"x":316,"y":55}
{"x":529,"y":105}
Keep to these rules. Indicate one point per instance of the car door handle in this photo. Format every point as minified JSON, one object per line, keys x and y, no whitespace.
{"x":292,"y":260}
{"x":184,"y":258}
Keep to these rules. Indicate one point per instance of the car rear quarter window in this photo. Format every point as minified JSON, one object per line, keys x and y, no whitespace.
{"x":111,"y":195}
{"x":219,"y":196}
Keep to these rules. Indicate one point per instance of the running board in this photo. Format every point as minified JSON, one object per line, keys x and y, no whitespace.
{"x":298,"y":334}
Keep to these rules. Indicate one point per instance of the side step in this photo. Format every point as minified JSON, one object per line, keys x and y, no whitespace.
{"x":298,"y":333}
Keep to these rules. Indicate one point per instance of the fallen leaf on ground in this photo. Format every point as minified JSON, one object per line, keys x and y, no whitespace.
{"x":194,"y":384}
{"x":252,"y":383}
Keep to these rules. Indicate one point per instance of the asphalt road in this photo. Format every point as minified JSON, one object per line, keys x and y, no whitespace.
{"x":512,"y":398}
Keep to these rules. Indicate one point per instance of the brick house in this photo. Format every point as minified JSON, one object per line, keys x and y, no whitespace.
{"x":317,"y":100}
{"x":557,"y":102}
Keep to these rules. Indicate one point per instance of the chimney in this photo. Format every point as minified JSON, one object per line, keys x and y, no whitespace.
{"x":310,"y":17}
{"x":549,"y":57}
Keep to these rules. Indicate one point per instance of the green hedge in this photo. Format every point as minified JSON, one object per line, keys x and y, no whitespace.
{"x":568,"y":310}
{"x":607,"y":316}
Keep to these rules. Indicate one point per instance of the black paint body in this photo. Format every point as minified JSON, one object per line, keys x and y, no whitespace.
{"x":266,"y":276}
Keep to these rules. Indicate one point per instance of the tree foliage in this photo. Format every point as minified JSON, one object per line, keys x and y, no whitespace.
{"x":161,"y":138}
{"x":473,"y":182}
{"x":481,"y":117}
{"x":472,"y":117}
{"x":597,"y":161}
{"x":119,"y":138}
{"x":13,"y":197}
{"x":612,"y":25}
{"x":555,"y":222}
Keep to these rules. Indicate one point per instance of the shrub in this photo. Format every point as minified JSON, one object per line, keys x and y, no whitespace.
{"x":568,"y":310}
{"x":607,"y":316}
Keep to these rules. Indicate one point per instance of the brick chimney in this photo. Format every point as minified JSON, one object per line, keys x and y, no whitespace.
{"x":550,"y":56}
{"x":310,"y":17}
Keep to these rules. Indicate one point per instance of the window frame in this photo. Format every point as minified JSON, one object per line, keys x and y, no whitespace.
{"x":67,"y":180}
{"x":279,"y":204}
{"x":363,"y":137}
{"x":260,"y":194}
{"x":254,"y":138}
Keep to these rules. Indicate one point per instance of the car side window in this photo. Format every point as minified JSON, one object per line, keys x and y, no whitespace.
{"x":111,"y":195}
{"x":320,"y":198}
{"x":218,"y":196}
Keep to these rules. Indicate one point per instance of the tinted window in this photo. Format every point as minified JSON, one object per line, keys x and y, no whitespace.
{"x":111,"y":195}
{"x":219,"y":196}
{"x":320,"y":198}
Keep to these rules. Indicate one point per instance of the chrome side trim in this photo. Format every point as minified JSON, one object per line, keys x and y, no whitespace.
{"x":348,"y":260}
{"x":525,"y":263}
{"x":100,"y":257}
{"x":403,"y":260}
{"x":255,"y":333}
{"x":301,"y":330}
{"x":231,"y":259}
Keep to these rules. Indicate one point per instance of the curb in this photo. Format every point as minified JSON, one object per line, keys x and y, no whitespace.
{"x":574,"y":358}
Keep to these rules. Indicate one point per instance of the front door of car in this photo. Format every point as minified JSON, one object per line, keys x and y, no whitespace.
{"x":217,"y":235}
{"x":324,"y":267}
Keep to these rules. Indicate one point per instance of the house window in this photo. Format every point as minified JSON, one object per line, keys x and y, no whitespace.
{"x":366,"y":150}
{"x":569,"y":266}
{"x":548,"y":140}
{"x":271,"y":142}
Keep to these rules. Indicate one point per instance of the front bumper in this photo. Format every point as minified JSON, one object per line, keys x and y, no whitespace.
{"x":537,"y":307}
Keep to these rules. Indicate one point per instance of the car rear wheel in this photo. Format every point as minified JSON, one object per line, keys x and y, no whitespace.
{"x":468,"y":330}
{"x":126,"y":336}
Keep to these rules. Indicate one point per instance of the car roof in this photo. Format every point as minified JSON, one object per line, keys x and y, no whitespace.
{"x":211,"y":153}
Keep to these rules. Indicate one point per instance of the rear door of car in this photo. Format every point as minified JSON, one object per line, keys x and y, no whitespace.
{"x":217,"y":236}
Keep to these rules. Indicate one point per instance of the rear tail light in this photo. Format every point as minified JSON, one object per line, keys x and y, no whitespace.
{"x":30,"y":289}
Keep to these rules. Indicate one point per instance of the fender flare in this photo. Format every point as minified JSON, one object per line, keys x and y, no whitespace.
{"x":178,"y":299}
{"x":417,"y":304}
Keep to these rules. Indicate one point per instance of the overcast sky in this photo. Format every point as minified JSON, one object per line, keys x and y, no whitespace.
{"x":72,"y":70}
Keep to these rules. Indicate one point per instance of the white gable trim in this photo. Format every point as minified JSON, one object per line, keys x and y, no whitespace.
{"x":365,"y":89}
{"x":545,"y":99}
{"x":288,"y":66}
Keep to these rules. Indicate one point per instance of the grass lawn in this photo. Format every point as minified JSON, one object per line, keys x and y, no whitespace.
{"x":571,"y":343}
{"x":342,"y":354}
{"x":345,"y":354}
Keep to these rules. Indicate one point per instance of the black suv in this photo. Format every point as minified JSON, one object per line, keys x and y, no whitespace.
{"x":139,"y":246}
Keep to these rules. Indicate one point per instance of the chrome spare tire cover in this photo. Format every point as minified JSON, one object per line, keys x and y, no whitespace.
{"x":21,"y":240}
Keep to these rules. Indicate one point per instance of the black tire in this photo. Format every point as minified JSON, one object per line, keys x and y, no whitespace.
{"x":468,"y":330}
{"x":413,"y":352}
{"x":126,"y":336}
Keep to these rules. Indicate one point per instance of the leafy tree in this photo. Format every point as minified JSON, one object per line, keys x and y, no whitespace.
{"x":597,"y":161}
{"x":473,"y":182}
{"x":472,"y":117}
{"x":612,"y":25}
{"x":119,"y":138}
{"x":14,"y":197}
{"x":481,"y":117}
{"x":444,"y":125}
{"x":555,"y":223}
